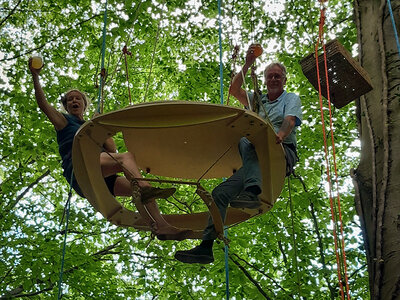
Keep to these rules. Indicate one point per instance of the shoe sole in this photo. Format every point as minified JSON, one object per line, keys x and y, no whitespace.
{"x":193,"y":259}
{"x":250,"y":205}
{"x":158,"y":194}
{"x":180,"y":236}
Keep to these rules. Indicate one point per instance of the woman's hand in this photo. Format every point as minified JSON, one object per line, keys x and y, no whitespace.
{"x":32,"y":69}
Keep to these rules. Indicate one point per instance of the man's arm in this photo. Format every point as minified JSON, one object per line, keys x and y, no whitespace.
{"x":236,"y":89}
{"x":286,"y":128}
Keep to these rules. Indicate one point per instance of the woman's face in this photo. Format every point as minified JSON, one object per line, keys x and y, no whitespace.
{"x":75,"y":104}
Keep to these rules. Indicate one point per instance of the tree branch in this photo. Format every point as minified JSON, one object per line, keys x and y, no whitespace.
{"x":17,"y":292}
{"x":358,"y":270}
{"x":30,"y":186}
{"x":321,"y":250}
{"x":10,"y":14}
{"x":51,"y":40}
{"x":263,"y":273}
{"x":247,"y":274}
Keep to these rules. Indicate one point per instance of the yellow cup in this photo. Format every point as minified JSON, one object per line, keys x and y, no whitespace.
{"x":37,"y":62}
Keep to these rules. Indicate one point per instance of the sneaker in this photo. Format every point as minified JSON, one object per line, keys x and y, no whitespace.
{"x":149,"y":193}
{"x":246,"y":200}
{"x":197,"y":255}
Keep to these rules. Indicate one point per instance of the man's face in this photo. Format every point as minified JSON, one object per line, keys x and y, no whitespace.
{"x":275,"y":80}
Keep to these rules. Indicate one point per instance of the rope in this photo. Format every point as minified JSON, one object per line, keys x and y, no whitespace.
{"x":245,"y":87}
{"x":394,"y":26}
{"x":67,"y":208}
{"x":154,"y":52}
{"x":222,"y":103}
{"x":320,"y":40}
{"x":103,"y":53}
{"x":234,"y":58}
{"x":226,"y":263}
{"x":294,"y":238}
{"x":126,"y":52}
{"x":68,"y":204}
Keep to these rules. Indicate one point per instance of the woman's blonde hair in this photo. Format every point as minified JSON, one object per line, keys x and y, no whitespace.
{"x":84,"y":96}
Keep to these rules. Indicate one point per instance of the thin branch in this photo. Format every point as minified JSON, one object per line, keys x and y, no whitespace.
{"x":283,"y":255}
{"x":10,"y":14}
{"x":17,"y":292}
{"x":37,"y":292}
{"x":321,"y":250}
{"x":12,"y":205}
{"x":51,"y":40}
{"x":247,"y":274}
{"x":5,"y":276}
{"x":263,"y":273}
{"x":301,"y":181}
{"x":358,"y":270}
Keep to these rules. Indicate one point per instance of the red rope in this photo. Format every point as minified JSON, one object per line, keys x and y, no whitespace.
{"x":126,"y":52}
{"x":321,"y":40}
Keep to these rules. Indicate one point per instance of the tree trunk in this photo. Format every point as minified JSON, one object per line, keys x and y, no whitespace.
{"x":376,"y":179}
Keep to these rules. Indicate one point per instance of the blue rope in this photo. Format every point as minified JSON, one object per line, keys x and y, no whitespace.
{"x":394,"y":26}
{"x":68,"y":206}
{"x":226,"y":264}
{"x":221,"y":81}
{"x":103,"y":54}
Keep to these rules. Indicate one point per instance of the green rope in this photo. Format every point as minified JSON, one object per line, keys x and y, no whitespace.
{"x":67,"y":208}
{"x":154,"y":52}
{"x":221,"y":81}
{"x":294,"y":237}
{"x":103,"y":53}
{"x":226,"y":263}
{"x":68,"y":204}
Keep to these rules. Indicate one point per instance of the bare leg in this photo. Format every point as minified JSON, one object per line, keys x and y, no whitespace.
{"x":122,"y":187}
{"x":121,"y":162}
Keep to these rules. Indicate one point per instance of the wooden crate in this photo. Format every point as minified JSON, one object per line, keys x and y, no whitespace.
{"x":347,"y":79}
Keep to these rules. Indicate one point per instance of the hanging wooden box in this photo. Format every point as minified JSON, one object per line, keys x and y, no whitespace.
{"x":347,"y":79}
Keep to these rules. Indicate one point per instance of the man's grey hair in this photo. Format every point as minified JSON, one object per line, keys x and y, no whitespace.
{"x":281,"y":66}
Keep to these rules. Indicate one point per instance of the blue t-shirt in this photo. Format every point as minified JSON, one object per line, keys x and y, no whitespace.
{"x":287,"y":104}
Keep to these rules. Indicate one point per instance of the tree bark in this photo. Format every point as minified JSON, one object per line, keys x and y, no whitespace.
{"x":377,"y":176}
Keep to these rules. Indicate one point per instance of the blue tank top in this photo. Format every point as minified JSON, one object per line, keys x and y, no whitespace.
{"x":65,"y":138}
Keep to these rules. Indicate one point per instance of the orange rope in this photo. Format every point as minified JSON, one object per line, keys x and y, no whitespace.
{"x":321,"y":40}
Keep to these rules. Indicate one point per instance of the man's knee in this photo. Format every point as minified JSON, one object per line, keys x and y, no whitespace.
{"x":125,"y":157}
{"x":245,"y":144}
{"x":221,"y":196}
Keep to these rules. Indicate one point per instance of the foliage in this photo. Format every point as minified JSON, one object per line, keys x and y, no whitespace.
{"x":175,"y":55}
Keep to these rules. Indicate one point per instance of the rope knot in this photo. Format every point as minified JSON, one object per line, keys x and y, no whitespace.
{"x":125,"y":51}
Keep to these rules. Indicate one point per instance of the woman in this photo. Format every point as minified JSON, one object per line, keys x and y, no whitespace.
{"x":66,"y":125}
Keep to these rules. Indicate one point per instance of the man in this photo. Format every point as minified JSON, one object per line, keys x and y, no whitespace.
{"x":241,"y":190}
